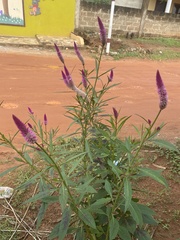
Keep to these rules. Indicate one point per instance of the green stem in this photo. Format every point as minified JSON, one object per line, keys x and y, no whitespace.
{"x":21,"y":155}
{"x":61,"y":176}
{"x":98,"y":67}
{"x":115,"y":206}
{"x":146,"y":135}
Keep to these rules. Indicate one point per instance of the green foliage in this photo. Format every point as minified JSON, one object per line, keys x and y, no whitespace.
{"x":92,"y":174}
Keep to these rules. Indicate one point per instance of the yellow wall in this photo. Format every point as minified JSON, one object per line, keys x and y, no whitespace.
{"x":56,"y":19}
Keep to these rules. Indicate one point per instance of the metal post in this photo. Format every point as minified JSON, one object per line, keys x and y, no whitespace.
{"x":110,"y":26}
{"x":77,"y":13}
{"x":168,"y":6}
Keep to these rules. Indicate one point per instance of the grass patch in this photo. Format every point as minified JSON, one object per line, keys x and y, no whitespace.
{"x":158,"y":55}
{"x":164,"y":55}
{"x":160,"y":41}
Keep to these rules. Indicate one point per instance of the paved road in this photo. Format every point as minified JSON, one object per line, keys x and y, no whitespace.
{"x":31,"y":78}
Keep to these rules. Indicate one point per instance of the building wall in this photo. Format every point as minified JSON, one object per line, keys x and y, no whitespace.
{"x":56,"y":18}
{"x":152,"y":4}
{"x":128,"y":20}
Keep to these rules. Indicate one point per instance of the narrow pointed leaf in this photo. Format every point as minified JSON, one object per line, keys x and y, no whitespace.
{"x":154,"y":174}
{"x":9,"y":170}
{"x":113,"y":228}
{"x":64,"y":224}
{"x":136,"y":213}
{"x":41,"y":214}
{"x":87,"y":218}
{"x":165,"y":144}
{"x":108,"y":188}
{"x":124,"y":233}
{"x":127,"y":193}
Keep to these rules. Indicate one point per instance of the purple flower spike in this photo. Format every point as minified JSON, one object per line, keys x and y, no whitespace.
{"x":30,"y":110}
{"x":161,"y":91}
{"x":116,"y":114}
{"x":30,"y":126}
{"x":84,"y":80}
{"x":158,"y":129}
{"x":149,"y":121}
{"x":45,"y":120}
{"x":67,"y":78}
{"x":102,"y":31}
{"x":59,"y":53}
{"x":26,"y":132}
{"x":111,"y":75}
{"x":78,"y":53}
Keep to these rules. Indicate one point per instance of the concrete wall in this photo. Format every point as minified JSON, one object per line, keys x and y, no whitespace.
{"x":128,"y":20}
{"x":56,"y":19}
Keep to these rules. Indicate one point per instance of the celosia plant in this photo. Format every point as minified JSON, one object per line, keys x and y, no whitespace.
{"x":93,"y":175}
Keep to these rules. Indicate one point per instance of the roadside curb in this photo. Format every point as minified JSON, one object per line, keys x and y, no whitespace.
{"x":42,"y":41}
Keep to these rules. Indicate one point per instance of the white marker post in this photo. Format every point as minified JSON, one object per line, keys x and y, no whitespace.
{"x":110,"y":26}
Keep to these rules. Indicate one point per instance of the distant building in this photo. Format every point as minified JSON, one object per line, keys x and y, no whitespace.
{"x":169,"y":6}
{"x":37,"y":17}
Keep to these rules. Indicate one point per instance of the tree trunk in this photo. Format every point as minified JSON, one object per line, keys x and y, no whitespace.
{"x":6,"y":8}
{"x":144,"y":9}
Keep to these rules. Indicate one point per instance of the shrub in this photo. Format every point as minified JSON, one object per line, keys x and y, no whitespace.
{"x":93,"y":175}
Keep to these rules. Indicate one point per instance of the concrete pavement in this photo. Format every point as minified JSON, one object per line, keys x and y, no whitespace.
{"x":40,"y":41}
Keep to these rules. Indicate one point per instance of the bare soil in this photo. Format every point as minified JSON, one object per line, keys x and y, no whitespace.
{"x":31,"y":78}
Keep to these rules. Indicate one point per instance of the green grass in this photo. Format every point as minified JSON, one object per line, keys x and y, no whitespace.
{"x":165,"y":42}
{"x":164,"y":55}
{"x":158,"y":55}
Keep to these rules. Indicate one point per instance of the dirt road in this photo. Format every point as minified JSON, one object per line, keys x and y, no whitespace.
{"x":34,"y":80}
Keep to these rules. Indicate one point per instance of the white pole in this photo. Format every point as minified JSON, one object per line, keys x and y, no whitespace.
{"x":110,"y":26}
{"x":168,"y":6}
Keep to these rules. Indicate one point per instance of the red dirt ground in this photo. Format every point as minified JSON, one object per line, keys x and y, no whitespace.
{"x":32,"y":80}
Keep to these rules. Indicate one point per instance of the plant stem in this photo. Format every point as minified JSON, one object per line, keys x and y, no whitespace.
{"x":61,"y":176}
{"x":145,"y":136}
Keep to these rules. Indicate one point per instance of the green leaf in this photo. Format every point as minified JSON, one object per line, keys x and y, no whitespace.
{"x":147,"y":214}
{"x":154,"y":174}
{"x":80,"y":234}
{"x":128,"y":223}
{"x":41,"y":214}
{"x":38,"y":196}
{"x":63,"y":197}
{"x":18,"y":159}
{"x":29,"y":181}
{"x":9,"y":170}
{"x":124,"y":233}
{"x":114,"y":168}
{"x":54,"y":232}
{"x":64,"y":224}
{"x":75,"y":164}
{"x":99,"y":203}
{"x":50,"y":199}
{"x":136,"y":213}
{"x":28,"y":158}
{"x":145,"y":209}
{"x":127,"y":193}
{"x":141,"y":234}
{"x":113,"y":228}
{"x":165,"y":144}
{"x":87,"y":218}
{"x":108,"y":188}
{"x":88,"y":150}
